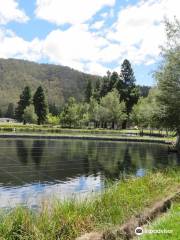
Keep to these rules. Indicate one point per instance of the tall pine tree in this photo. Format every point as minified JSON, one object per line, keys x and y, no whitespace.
{"x":127,"y":74}
{"x":96,"y":92}
{"x":104,"y":87}
{"x":129,"y":92}
{"x":25,"y":100}
{"x":88,"y":91}
{"x":40,"y":105}
{"x":113,"y":81}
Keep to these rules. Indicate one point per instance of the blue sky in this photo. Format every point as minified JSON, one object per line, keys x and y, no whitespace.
{"x":89,"y":35}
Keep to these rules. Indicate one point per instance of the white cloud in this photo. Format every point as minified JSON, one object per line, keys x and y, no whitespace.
{"x":136,"y":35}
{"x":140,"y":28}
{"x":9,"y":11}
{"x":104,"y":14}
{"x":97,"y":25}
{"x":14,"y":46}
{"x":69,"y":11}
{"x":111,"y":52}
{"x":35,"y":194}
{"x":75,"y":46}
{"x":96,"y":68}
{"x":58,"y":47}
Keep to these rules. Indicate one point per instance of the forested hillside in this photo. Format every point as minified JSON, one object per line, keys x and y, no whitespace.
{"x":59,"y":82}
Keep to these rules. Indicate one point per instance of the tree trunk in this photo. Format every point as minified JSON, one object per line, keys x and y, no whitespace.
{"x":124,"y":124}
{"x":141,"y":133}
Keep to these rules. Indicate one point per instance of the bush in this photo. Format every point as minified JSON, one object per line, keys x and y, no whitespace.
{"x":53,"y":120}
{"x":29,"y":115}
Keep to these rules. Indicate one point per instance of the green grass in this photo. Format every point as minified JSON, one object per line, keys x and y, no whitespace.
{"x":46,"y":130}
{"x":90,"y":136}
{"x":169,"y":221}
{"x":8,"y":127}
{"x":69,"y":219}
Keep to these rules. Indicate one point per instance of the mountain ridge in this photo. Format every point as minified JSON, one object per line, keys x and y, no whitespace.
{"x":59,"y":82}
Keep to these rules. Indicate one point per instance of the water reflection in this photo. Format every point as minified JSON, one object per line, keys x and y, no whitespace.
{"x":37,"y":152}
{"x":32,"y":195}
{"x":22,"y":151}
{"x":34,"y":169}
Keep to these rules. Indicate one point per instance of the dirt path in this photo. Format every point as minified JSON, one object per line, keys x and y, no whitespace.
{"x":127,"y":231}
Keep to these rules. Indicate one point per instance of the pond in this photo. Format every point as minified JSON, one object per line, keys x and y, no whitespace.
{"x":35,"y":170}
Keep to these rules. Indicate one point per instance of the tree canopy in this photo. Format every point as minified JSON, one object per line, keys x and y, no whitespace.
{"x":168,"y":78}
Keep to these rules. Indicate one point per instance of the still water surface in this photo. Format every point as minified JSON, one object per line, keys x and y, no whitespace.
{"x":34,"y":170}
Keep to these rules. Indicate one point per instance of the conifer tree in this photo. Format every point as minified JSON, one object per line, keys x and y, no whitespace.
{"x":105,"y":86}
{"x":113,"y":81}
{"x":40,"y":105}
{"x":88,"y":91}
{"x":129,"y":92}
{"x":25,"y":100}
{"x":96,"y":93}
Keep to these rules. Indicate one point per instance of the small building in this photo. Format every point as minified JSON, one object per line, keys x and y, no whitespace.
{"x":7,"y":120}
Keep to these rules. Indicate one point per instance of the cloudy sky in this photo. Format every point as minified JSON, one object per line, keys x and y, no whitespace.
{"x":89,"y":35}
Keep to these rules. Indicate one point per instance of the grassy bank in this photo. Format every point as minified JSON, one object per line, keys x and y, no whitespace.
{"x":57,"y":129}
{"x":67,"y":220}
{"x":169,"y":221}
{"x":19,"y":130}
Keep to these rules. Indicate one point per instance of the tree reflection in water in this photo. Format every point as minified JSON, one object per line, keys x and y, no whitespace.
{"x":22,"y":152}
{"x":37,"y":151}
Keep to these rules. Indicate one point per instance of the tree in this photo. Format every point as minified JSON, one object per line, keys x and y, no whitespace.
{"x":140,"y":113}
{"x":168,"y":79}
{"x":10,"y":111}
{"x":25,"y":100}
{"x":146,"y":112}
{"x":40,"y":105}
{"x":97,"y":89}
{"x":83,"y":114}
{"x":105,"y":86}
{"x":88,"y":91}
{"x":144,"y":90}
{"x":94,"y":115}
{"x":127,"y":74}
{"x":128,"y":91}
{"x":52,"y":119}
{"x":114,"y":111}
{"x":113,"y":81}
{"x":29,"y":115}
{"x":69,"y":116}
{"x":53,"y":109}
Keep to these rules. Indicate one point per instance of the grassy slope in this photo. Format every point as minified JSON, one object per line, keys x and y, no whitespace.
{"x":67,"y":220}
{"x":169,"y":221}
